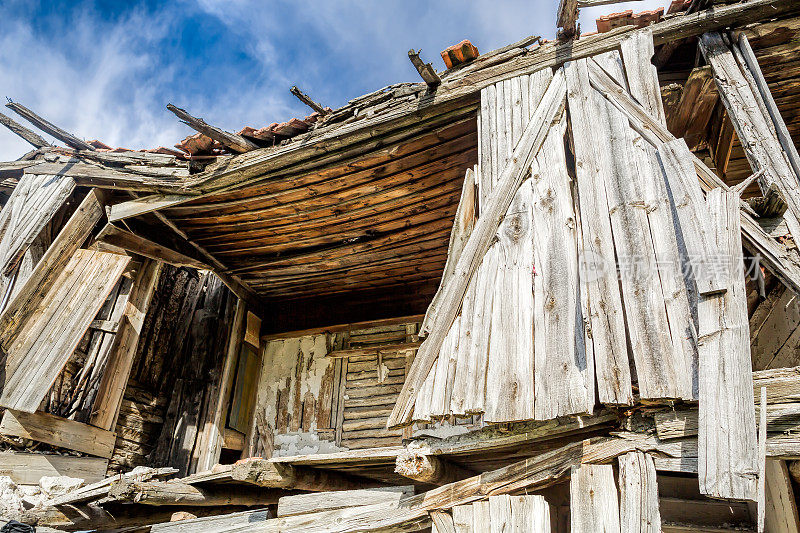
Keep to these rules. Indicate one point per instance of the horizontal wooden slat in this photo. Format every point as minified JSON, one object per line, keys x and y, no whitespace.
{"x":62,"y":432}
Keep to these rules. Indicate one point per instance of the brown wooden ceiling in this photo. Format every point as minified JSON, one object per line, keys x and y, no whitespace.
{"x":382,"y":222}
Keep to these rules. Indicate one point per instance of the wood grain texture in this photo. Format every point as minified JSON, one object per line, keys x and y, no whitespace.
{"x":781,"y":506}
{"x":727,"y":434}
{"x":29,"y":468}
{"x":62,"y":432}
{"x":594,"y":504}
{"x":638,"y":494}
{"x":603,"y":312}
{"x":637,"y":54}
{"x":46,"y":341}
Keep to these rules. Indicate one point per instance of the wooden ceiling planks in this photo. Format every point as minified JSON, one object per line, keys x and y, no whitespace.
{"x":377,"y":223}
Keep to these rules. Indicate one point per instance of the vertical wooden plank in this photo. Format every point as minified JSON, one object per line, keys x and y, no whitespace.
{"x":481,"y":516}
{"x":637,"y":54}
{"x":466,"y":359}
{"x":463,"y":519}
{"x":445,"y":372}
{"x":781,"y":505}
{"x":761,"y":498}
{"x":593,"y":501}
{"x":604,"y":316}
{"x":500,"y":511}
{"x":727,"y":463}
{"x":686,"y":197}
{"x":660,"y":368}
{"x":115,"y":376}
{"x":442,"y":522}
{"x":509,"y":376}
{"x":638,"y":488}
{"x":563,"y":383}
{"x":475,"y":396}
{"x":530,"y":514}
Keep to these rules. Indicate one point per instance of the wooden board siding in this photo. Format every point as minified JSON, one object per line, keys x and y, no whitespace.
{"x":46,"y":341}
{"x":62,"y":432}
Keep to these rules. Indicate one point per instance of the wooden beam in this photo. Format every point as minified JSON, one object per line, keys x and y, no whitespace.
{"x":48,"y":127}
{"x":327,"y":501}
{"x":429,"y":469}
{"x":57,"y":431}
{"x":132,"y":242}
{"x":68,"y":240}
{"x":235,"y":142}
{"x":781,"y":505}
{"x":146,"y":204}
{"x":373,"y":350}
{"x":99,"y":489}
{"x":480,"y":239}
{"x":22,"y":131}
{"x":425,"y":70}
{"x":303,"y":97}
{"x":29,"y":468}
{"x":264,"y":473}
{"x":176,"y":493}
{"x":120,"y":359}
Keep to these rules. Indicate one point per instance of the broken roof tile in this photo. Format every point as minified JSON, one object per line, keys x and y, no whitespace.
{"x":628,"y":18}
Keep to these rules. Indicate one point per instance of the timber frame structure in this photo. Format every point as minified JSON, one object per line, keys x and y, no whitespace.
{"x":552,"y":288}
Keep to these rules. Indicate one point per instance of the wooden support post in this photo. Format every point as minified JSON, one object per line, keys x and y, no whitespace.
{"x":235,"y":142}
{"x":49,"y":128}
{"x":69,"y":239}
{"x":115,"y":377}
{"x":429,"y":469}
{"x":303,"y":97}
{"x":176,"y":493}
{"x":32,"y":138}
{"x":425,"y":69}
{"x":268,"y":474}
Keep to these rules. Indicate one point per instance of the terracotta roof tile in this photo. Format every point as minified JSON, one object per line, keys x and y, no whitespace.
{"x":459,"y":53}
{"x":628,"y":18}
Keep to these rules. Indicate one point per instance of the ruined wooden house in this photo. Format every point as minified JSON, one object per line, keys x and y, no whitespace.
{"x":552,"y":288}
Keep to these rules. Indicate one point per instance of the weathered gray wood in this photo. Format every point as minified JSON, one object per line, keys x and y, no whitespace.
{"x":727,"y":434}
{"x":445,"y":372}
{"x":695,"y":220}
{"x":33,"y":204}
{"x":482,"y":517}
{"x":99,"y":489}
{"x":327,"y":501}
{"x":425,"y":70}
{"x":529,"y":514}
{"x":31,"y":294}
{"x":442,"y":522}
{"x":131,"y":242}
{"x":158,"y":493}
{"x":46,"y":341}
{"x":637,"y":54}
{"x":500,"y":511}
{"x":761,"y":487}
{"x":598,"y":279}
{"x":638,"y":494}
{"x":26,"y":134}
{"x":594,"y":505}
{"x":303,"y":97}
{"x":564,"y":372}
{"x":235,"y":142}
{"x":214,"y":524}
{"x":429,"y":469}
{"x":29,"y":468}
{"x":49,"y":128}
{"x":478,"y":243}
{"x":567,"y":18}
{"x":463,"y":518}
{"x":781,"y":506}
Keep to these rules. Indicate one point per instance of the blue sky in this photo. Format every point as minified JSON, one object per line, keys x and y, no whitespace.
{"x":106,"y":69}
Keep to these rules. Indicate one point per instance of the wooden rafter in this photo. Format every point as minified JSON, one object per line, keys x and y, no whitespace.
{"x":235,"y":142}
{"x":49,"y":128}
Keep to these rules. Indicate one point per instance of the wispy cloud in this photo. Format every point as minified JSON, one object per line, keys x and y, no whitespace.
{"x":108,"y":74}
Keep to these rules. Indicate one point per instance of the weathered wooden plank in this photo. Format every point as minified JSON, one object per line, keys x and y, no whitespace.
{"x":500,"y":511}
{"x":463,"y":517}
{"x":49,"y":128}
{"x":235,"y":142}
{"x":482,"y":517}
{"x":29,"y":468}
{"x":781,"y":418}
{"x":637,"y":54}
{"x":445,"y":372}
{"x":564,"y":374}
{"x":34,"y":202}
{"x":509,"y":383}
{"x":761,"y":486}
{"x":214,"y":524}
{"x":36,"y":140}
{"x":46,"y":341}
{"x":442,"y":522}
{"x":31,"y":295}
{"x":479,"y":242}
{"x":604,"y":312}
{"x":727,"y":433}
{"x":638,"y":494}
{"x":462,"y":227}
{"x":157,"y":493}
{"x":529,"y":514}
{"x":594,"y":505}
{"x":62,"y":432}
{"x":327,"y":501}
{"x":475,"y":385}
{"x":99,"y":489}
